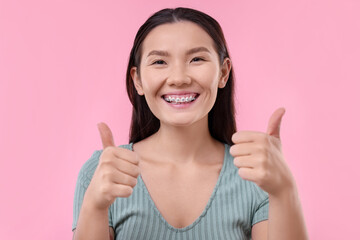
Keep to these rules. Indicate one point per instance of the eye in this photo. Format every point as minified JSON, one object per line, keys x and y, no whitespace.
{"x":197,"y":59}
{"x":158,"y":62}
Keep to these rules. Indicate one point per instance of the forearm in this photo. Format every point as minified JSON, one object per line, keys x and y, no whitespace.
{"x":92,"y":224}
{"x":286,"y":220}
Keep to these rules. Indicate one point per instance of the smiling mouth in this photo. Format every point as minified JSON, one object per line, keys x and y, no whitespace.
{"x":180,"y":99}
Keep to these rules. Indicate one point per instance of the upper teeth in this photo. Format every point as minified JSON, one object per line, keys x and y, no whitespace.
{"x":179,"y":99}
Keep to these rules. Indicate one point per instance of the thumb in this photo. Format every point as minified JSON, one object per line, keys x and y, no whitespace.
{"x":106,"y":135}
{"x":275,"y":122}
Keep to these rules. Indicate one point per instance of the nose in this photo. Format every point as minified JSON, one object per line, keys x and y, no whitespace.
{"x":178,"y":76}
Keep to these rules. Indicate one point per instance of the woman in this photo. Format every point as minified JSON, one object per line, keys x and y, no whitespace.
{"x":178,"y":178}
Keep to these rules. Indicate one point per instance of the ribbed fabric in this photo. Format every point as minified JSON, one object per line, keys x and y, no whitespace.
{"x":234,"y":206}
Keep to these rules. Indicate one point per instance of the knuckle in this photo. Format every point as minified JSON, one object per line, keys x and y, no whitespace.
{"x":131,"y":181}
{"x":104,"y":175}
{"x":137,"y":170}
{"x":234,"y":137}
{"x":102,"y":159}
{"x":105,"y":189}
{"x":264,"y":138}
{"x":105,"y":159}
{"x":120,"y":152}
{"x":120,"y":164}
{"x":129,"y":168}
{"x":232,"y":150}
{"x":127,"y":191}
{"x":267,"y":140}
{"x":135,"y":182}
{"x":262,"y":154}
{"x":108,"y":150}
{"x":261,"y":148}
{"x":262,"y":175}
{"x":241,"y":173}
{"x":262,"y":159}
{"x":236,"y":161}
{"x":235,"y":149}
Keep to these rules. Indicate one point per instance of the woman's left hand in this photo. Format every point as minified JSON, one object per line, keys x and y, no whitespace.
{"x":260,"y":159}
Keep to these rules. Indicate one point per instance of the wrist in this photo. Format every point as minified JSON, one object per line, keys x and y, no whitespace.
{"x":285,"y":196}
{"x":287,"y":189}
{"x":90,"y":205}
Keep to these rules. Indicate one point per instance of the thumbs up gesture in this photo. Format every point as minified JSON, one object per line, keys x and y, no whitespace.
{"x":116,"y":174}
{"x":260,"y":159}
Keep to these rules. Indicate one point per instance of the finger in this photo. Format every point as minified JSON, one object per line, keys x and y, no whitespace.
{"x":246,"y":136}
{"x":127,"y":168}
{"x":275,"y":122}
{"x":123,"y":179}
{"x":107,"y":138}
{"x":242,"y":149}
{"x":247,"y":173}
{"x":120,"y":190}
{"x":126,"y":155}
{"x":244,"y":161}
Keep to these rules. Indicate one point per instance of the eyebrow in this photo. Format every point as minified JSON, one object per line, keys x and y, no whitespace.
{"x":189,"y":52}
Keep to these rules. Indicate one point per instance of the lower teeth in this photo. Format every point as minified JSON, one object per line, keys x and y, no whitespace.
{"x":179,"y":102}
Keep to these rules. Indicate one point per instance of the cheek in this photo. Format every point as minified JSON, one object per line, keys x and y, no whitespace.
{"x":151,"y":81}
{"x":209,"y":82}
{"x":208,"y":75}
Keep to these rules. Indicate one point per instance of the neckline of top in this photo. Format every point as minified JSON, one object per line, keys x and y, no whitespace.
{"x":186,"y":228}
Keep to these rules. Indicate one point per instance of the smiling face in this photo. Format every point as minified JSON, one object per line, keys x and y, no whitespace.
{"x":180,"y":73}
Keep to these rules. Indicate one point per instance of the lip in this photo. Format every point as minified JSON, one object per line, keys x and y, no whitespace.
{"x":179,"y":93}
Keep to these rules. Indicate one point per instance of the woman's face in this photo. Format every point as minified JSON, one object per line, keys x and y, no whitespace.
{"x":180,"y":73}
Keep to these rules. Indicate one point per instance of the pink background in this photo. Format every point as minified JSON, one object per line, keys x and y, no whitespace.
{"x":62,"y":70}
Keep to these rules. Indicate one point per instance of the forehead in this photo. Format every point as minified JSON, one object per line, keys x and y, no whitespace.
{"x":178,"y":36}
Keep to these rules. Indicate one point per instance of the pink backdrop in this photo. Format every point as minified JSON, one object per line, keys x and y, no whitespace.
{"x":62,"y":69}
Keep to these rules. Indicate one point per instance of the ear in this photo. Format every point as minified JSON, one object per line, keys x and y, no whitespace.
{"x":137,"y":81}
{"x":224,"y":72}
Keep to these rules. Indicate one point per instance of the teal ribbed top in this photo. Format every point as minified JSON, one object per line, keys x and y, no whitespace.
{"x":234,"y":206}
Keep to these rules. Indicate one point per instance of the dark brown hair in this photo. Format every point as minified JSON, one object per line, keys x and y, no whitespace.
{"x":221,"y":117}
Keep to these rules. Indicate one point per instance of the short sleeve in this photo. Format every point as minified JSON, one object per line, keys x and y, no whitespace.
{"x":85,"y":175}
{"x":261,"y":212}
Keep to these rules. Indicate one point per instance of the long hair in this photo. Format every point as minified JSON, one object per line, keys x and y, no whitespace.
{"x":221,"y":118}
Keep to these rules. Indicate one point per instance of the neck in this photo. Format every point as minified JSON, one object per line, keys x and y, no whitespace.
{"x":185,"y":144}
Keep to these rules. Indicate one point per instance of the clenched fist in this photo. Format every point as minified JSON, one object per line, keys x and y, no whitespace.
{"x":260,"y":159}
{"x":116,"y":174}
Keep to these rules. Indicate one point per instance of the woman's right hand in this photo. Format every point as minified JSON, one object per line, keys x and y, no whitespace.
{"x":116,"y":174}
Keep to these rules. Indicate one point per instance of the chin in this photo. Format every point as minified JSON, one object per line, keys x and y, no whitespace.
{"x":179,"y":123}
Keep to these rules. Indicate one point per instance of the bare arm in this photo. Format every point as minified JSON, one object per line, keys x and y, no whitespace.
{"x":93,"y":225}
{"x":260,"y":230}
{"x":111,"y":232}
{"x":286,"y":220}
